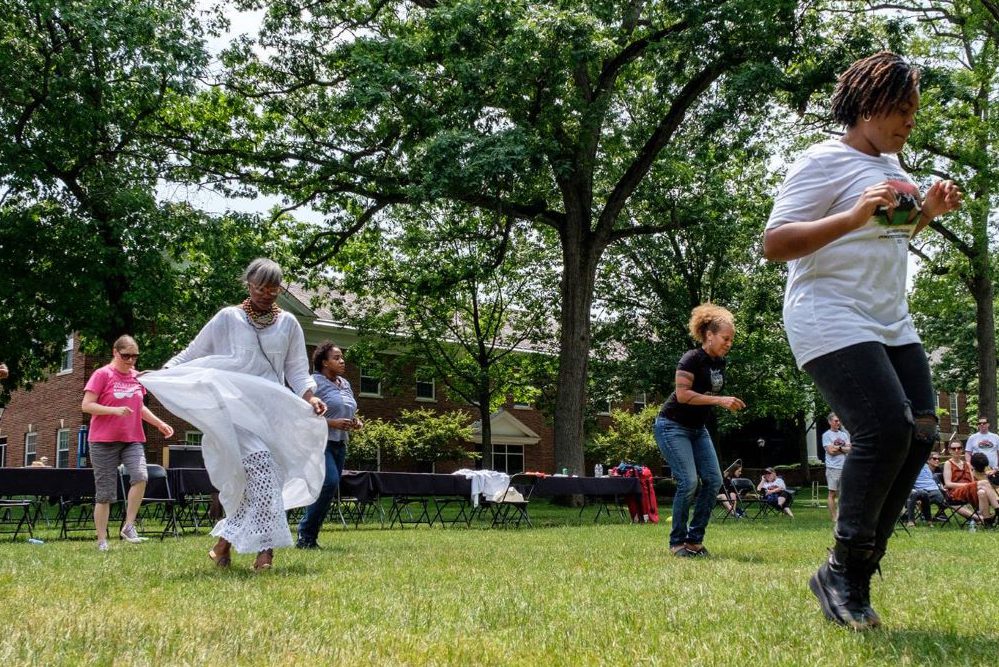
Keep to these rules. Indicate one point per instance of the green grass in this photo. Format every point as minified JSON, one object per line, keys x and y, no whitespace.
{"x":561,"y":594}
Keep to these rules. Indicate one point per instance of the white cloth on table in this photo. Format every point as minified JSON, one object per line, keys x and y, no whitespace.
{"x":485,"y":482}
{"x":224,"y":385}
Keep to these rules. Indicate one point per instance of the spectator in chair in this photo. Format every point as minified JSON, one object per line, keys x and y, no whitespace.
{"x":728,"y":495}
{"x":773,"y":491}
{"x":925,"y":491}
{"x":963,"y":486}
{"x":4,"y":371}
{"x":836,"y":442}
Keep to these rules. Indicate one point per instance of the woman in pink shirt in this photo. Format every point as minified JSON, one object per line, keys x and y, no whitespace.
{"x":114,"y":397}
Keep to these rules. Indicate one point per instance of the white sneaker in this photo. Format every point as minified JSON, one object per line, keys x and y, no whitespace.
{"x":129,"y":535}
{"x":103,"y":546}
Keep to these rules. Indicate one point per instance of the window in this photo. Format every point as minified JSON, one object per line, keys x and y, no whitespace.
{"x":62,"y":448}
{"x":640,"y":401}
{"x":508,"y":458}
{"x":66,"y":364}
{"x":371,"y":384}
{"x":955,"y":416}
{"x":30,"y":448}
{"x":520,"y":405}
{"x":425,"y":389}
{"x":3,"y":451}
{"x":604,"y":407}
{"x":193,"y":438}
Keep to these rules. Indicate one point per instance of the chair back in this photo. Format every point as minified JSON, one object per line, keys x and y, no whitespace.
{"x":523,"y":483}
{"x":157,"y":486}
{"x":742,"y":485}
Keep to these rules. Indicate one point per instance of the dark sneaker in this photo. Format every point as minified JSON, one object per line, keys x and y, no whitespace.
{"x":681,"y":551}
{"x":698,"y":551}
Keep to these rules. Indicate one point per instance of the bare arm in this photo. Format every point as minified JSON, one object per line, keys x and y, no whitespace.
{"x":92,"y":407}
{"x":156,"y":422}
{"x":684,"y":380}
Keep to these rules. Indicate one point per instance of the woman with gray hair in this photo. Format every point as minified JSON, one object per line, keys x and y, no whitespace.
{"x":263,"y":445}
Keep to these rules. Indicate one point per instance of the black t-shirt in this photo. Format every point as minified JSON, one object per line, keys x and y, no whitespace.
{"x":709,"y":378}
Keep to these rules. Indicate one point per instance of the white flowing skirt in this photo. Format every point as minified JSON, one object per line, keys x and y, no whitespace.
{"x":241,"y":417}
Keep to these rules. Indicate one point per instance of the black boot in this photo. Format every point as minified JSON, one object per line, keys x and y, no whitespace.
{"x":865,"y":572}
{"x":842,"y":586}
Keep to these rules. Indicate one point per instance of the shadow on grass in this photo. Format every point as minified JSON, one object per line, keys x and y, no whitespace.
{"x":929,"y":646}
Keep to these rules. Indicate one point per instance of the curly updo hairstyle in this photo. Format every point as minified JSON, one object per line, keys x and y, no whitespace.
{"x":873,"y":86}
{"x":708,"y":317}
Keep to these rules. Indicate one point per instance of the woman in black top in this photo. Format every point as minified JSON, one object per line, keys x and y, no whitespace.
{"x":680,"y":428}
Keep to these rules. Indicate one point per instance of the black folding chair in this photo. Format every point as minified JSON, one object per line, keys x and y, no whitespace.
{"x":16,"y":514}
{"x":511,"y":508}
{"x":158,"y":504}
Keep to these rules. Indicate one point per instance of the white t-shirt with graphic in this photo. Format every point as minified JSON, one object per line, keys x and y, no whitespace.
{"x":986,"y":443}
{"x":833,"y":438}
{"x":853,"y":289}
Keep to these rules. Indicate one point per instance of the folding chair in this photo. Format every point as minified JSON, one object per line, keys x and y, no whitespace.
{"x":766,"y":508}
{"x":747,"y":495}
{"x":951,"y":510}
{"x":158,"y":503}
{"x":511,"y":507}
{"x":16,"y":514}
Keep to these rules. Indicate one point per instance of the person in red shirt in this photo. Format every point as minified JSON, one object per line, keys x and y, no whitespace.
{"x":114,"y":396}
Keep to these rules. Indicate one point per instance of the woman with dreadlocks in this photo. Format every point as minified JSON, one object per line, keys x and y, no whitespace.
{"x":842,"y":220}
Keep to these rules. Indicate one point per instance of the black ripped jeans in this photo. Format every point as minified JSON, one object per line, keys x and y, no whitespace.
{"x":884,"y":397}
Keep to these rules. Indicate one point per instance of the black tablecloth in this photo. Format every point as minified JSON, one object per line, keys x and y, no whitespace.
{"x":189,"y":482}
{"x":65,"y":482}
{"x":588,"y":486}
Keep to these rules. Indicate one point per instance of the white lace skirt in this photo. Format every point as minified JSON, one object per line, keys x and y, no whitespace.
{"x":259,"y":521}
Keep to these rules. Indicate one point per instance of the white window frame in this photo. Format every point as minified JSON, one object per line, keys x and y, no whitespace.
{"x":193,"y":438}
{"x":30,"y":447}
{"x":66,"y":360}
{"x":62,"y":447}
{"x":3,"y":451}
{"x":955,"y":413}
{"x":432,"y":382}
{"x":644,"y":402}
{"x":504,"y":452}
{"x":360,"y":386}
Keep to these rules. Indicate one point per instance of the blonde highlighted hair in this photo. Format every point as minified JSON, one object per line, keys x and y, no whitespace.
{"x":708,"y":317}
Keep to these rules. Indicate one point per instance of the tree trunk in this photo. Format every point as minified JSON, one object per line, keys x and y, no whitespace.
{"x":985,"y":330}
{"x":486,"y":431}
{"x":578,"y":279}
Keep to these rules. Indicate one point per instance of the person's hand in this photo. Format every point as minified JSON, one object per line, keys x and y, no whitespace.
{"x":4,"y":371}
{"x":358,"y":424}
{"x":317,"y":405}
{"x":731,"y":403}
{"x":165,"y":429}
{"x":870,"y":200}
{"x":122,"y":411}
{"x":942,"y":197}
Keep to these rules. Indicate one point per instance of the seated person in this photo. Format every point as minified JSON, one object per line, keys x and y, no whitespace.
{"x":925,"y":491}
{"x":981,"y":470}
{"x":727,"y":494}
{"x":774,"y":491}
{"x":962,"y":486}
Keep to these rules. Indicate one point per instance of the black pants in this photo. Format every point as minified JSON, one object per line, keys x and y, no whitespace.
{"x":878,"y":392}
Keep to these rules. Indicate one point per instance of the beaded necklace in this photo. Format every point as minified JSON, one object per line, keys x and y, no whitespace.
{"x":260,"y":320}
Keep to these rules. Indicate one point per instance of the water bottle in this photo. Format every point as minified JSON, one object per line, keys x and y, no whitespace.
{"x":35,"y":540}
{"x":971,"y":526}
{"x":598,"y":470}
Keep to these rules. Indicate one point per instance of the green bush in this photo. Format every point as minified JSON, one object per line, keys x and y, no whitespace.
{"x":628,"y":438}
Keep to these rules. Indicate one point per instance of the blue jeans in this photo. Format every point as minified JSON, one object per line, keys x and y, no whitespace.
{"x":884,"y":396}
{"x":308,"y":527}
{"x":691,"y":455}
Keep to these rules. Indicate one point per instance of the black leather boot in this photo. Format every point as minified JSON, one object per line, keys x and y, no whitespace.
{"x":866,"y":569}
{"x":842,"y":586}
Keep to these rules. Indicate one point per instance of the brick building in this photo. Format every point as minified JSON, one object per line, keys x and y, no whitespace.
{"x":46,"y":420}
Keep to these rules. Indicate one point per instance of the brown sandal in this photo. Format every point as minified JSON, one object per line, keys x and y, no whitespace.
{"x":220,"y":553}
{"x":265,"y":560}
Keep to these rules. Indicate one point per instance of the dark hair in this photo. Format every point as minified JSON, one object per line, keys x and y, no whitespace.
{"x":873,"y":86}
{"x":979,"y":461}
{"x":321,"y":352}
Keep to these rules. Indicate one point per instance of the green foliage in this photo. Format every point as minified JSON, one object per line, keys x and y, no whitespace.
{"x":417,"y":435}
{"x":628,"y":438}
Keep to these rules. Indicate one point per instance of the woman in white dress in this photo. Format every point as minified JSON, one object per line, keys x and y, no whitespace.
{"x":263,"y":445}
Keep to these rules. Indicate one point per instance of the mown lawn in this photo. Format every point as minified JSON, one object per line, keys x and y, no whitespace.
{"x":563,"y":593}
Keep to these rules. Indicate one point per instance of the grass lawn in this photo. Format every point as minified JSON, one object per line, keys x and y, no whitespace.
{"x":559,"y":594}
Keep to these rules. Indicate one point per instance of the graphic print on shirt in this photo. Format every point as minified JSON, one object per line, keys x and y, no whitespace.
{"x":903,"y":220}
{"x":125,"y":389}
{"x":717,"y":380}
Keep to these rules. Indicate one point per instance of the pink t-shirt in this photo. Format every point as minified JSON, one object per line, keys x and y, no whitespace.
{"x":115,"y":389}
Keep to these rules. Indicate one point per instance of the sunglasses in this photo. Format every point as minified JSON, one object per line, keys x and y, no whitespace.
{"x":934,"y":458}
{"x":956,"y":449}
{"x":266,"y":289}
{"x":128,"y":356}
